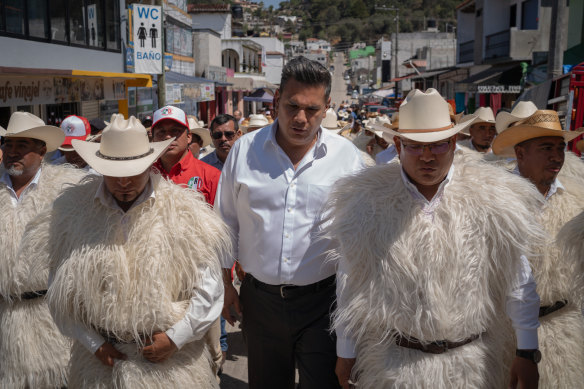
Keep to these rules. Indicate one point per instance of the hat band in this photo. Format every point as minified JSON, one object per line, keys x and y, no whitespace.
{"x":100,"y":155}
{"x":409,"y":131}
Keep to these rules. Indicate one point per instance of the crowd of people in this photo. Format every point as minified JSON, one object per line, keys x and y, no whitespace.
{"x":422,"y":250}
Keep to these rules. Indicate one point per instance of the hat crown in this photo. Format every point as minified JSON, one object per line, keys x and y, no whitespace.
{"x":548,"y":119}
{"x":258,"y":120}
{"x":22,"y":121}
{"x":124,"y":138}
{"x":75,"y":126}
{"x":330,"y":119}
{"x":170,"y":112}
{"x":424,"y":111}
{"x":485,"y":114}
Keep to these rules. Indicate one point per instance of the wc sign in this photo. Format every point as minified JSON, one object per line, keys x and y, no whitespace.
{"x":147,"y":38}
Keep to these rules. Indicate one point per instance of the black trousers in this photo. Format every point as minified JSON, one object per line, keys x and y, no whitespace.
{"x":282,"y":333}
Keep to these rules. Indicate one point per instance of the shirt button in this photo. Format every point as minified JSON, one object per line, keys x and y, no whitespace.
{"x":285,"y":259}
{"x":289,"y":209}
{"x":292,"y":185}
{"x":287,"y":235}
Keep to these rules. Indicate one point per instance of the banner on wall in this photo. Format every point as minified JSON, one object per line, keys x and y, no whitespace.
{"x":55,"y":90}
{"x":146,"y":38}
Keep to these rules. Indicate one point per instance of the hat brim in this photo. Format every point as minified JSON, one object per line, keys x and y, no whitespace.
{"x":203,"y":133}
{"x":505,"y":118}
{"x":425,"y":137}
{"x":504,"y":143}
{"x":466,"y":131}
{"x":2,"y":131}
{"x":119,"y":168}
{"x":51,"y":135}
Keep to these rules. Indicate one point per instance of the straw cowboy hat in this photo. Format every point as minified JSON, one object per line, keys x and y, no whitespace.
{"x":425,"y":117}
{"x":481,"y":115}
{"x":522,"y":110}
{"x":198,"y":128}
{"x":27,"y":125}
{"x":580,"y":145}
{"x":331,"y":123}
{"x":541,"y":123}
{"x":255,"y":121}
{"x":124,"y":150}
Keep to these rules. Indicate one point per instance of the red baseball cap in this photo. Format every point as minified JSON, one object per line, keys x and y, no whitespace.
{"x":170,"y":113}
{"x":74,"y":127}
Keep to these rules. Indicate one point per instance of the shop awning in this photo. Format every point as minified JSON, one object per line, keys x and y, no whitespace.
{"x":262,"y":95}
{"x":178,"y":78}
{"x":490,"y":75}
{"x":383,"y":93}
{"x":132,"y":79}
{"x":403,"y":77}
{"x":429,"y":74}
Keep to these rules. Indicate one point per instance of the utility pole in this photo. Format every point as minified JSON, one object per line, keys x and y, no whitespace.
{"x":395,"y":61}
{"x":557,"y":39}
{"x":162,"y":77}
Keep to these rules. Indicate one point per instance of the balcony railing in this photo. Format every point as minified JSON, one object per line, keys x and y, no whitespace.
{"x":498,"y":45}
{"x":466,"y":52}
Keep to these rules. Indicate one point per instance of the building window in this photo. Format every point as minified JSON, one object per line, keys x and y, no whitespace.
{"x":73,"y":22}
{"x":14,"y":10}
{"x":38,"y":19}
{"x":513,"y":16}
{"x":58,"y":16}
{"x":529,"y":14}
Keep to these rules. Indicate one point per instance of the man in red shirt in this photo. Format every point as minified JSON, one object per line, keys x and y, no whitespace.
{"x":177,"y":163}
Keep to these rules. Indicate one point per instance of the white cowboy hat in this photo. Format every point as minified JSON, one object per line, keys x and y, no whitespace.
{"x":331,"y":123}
{"x":541,"y":123}
{"x":522,"y":110}
{"x":481,"y":115}
{"x":255,"y":121}
{"x":27,"y":125}
{"x":198,"y":128}
{"x":124,"y":150}
{"x":425,"y":117}
{"x":378,"y":125}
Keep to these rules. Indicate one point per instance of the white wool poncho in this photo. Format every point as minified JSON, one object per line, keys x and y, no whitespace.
{"x":130,"y":275}
{"x":33,"y":353}
{"x":438,"y":276}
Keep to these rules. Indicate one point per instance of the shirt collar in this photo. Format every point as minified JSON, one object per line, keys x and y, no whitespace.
{"x":180,"y":166}
{"x":5,"y":179}
{"x":321,"y":139}
{"x":411,"y":187}
{"x":108,"y":200}
{"x":554,"y":187}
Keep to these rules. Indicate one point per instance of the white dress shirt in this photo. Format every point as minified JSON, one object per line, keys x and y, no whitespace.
{"x":554,"y":187}
{"x":203,"y":310}
{"x":5,"y":179}
{"x":273,"y":209}
{"x":522,"y":302}
{"x":386,"y":156}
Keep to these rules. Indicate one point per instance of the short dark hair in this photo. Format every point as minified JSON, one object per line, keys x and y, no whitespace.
{"x":306,"y":71}
{"x":222,"y":119}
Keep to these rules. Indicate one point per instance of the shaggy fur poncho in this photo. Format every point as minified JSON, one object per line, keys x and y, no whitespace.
{"x":33,"y":353}
{"x":437,"y":275}
{"x":132,"y":274}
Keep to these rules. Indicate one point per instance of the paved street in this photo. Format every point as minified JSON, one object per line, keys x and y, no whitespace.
{"x":339,"y":88}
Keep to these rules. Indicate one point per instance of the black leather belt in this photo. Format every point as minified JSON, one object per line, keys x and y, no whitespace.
{"x":292,"y":291}
{"x":436,"y":347}
{"x":33,"y":295}
{"x":547,"y":309}
{"x":112,"y":338}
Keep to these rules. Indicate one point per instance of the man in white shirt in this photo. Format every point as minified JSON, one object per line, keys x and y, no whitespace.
{"x":432,"y":264}
{"x":32,"y":351}
{"x":273,"y":186}
{"x":134,"y":277}
{"x":538,"y":142}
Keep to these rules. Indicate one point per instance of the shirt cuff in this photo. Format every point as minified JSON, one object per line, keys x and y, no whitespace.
{"x":91,"y":340}
{"x":181,"y":333}
{"x":345,"y":348}
{"x":526,"y":339}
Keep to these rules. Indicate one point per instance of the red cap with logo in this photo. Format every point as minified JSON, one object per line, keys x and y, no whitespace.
{"x":170,"y":113}
{"x":74,"y":127}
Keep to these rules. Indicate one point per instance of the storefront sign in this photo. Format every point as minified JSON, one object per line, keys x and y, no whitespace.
{"x":146,"y":39}
{"x":174,"y":94}
{"x":497,"y":89}
{"x":55,"y":90}
{"x":207,"y":92}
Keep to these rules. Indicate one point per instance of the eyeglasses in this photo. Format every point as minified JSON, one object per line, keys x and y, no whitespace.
{"x":418,"y":148}
{"x":160,"y":133}
{"x":218,"y":135}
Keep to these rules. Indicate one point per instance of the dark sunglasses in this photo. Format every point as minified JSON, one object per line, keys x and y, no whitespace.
{"x":218,"y":135}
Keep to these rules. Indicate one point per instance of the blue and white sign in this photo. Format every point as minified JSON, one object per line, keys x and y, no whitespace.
{"x":147,"y":38}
